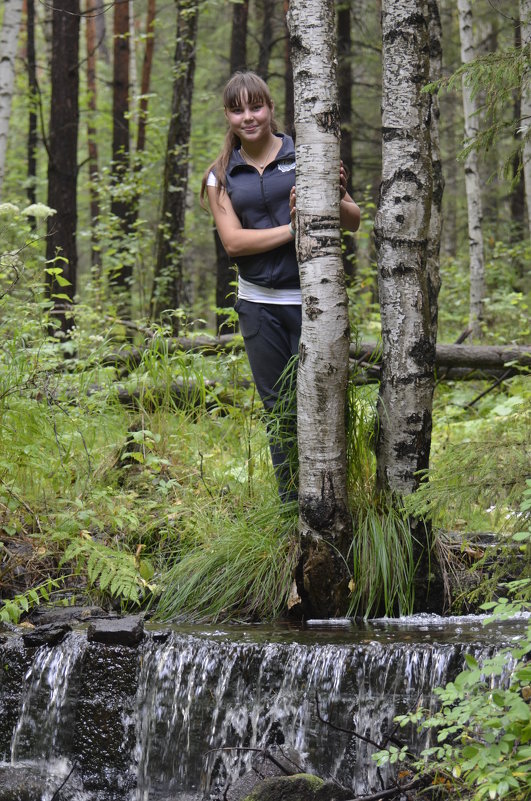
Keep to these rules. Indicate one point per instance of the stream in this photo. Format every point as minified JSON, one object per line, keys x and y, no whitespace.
{"x":176,"y":717}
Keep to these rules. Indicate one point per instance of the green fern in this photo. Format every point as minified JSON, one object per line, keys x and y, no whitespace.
{"x":12,"y":609}
{"x":122,"y":575}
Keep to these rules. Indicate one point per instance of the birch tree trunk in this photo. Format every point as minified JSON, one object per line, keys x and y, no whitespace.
{"x":525,"y":19}
{"x":33,"y":90}
{"x":324,"y":518}
{"x":401,"y":235}
{"x":472,"y":178}
{"x":8,"y":49}
{"x":434,"y":238}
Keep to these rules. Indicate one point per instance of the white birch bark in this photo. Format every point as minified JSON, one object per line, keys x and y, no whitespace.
{"x":8,"y":49}
{"x":323,"y":355}
{"x":401,"y":235}
{"x":434,"y":237}
{"x":472,"y":178}
{"x":525,"y":20}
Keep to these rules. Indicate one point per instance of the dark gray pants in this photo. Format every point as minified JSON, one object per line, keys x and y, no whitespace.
{"x":271,"y":333}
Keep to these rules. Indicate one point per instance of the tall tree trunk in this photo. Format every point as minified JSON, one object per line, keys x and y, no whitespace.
{"x":168,"y":279}
{"x":517,"y":199}
{"x":472,"y":178}
{"x":344,"y":82}
{"x":62,"y":155}
{"x":238,"y":42}
{"x":324,"y":517}
{"x":92,"y":141}
{"x":525,"y":19}
{"x":289,"y":102}
{"x":224,"y":269}
{"x":8,"y":49}
{"x":402,"y":232}
{"x":266,"y":39}
{"x":147,"y":64}
{"x":434,"y":238}
{"x":121,"y":203}
{"x":33,"y":90}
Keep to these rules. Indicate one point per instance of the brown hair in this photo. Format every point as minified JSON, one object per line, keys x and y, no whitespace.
{"x":243,"y":86}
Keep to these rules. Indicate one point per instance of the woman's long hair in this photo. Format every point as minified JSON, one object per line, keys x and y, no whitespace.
{"x":242,"y":87}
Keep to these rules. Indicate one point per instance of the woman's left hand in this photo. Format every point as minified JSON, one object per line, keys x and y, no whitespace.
{"x":342,"y":180}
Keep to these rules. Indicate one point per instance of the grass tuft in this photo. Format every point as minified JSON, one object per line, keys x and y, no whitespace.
{"x":240,"y":565}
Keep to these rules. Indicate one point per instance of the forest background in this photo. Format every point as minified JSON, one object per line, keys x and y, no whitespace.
{"x":134,"y":466}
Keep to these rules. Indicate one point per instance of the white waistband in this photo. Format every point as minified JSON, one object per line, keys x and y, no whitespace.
{"x":264,"y":294}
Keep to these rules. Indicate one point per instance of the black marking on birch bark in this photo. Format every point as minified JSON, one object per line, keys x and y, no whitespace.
{"x":406,"y":175}
{"x":302,"y":353}
{"x":311,"y":307}
{"x":396,"y":241}
{"x":402,"y":134}
{"x":318,"y":512}
{"x":329,"y":121}
{"x":423,"y":352}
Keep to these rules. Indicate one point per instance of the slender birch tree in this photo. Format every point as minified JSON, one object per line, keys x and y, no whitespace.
{"x":8,"y":49}
{"x":324,"y":517}
{"x":525,"y":21}
{"x":472,"y":177}
{"x":401,"y":235}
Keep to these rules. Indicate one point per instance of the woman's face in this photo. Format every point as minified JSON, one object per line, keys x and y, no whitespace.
{"x":250,"y":121}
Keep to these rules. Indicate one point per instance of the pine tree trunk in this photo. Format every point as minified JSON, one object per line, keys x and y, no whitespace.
{"x":167,"y":290}
{"x":434,"y":238}
{"x":324,"y":517}
{"x":517,"y":197}
{"x":92,"y":141}
{"x":147,"y":64}
{"x":472,"y":178}
{"x":224,"y":267}
{"x":62,"y":155}
{"x":401,"y":234}
{"x":238,"y":43}
{"x":266,"y":38}
{"x":121,"y":205}
{"x":33,"y":90}
{"x":8,"y":49}
{"x":525,"y":19}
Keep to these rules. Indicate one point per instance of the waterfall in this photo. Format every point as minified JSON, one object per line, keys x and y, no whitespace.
{"x":181,"y":716}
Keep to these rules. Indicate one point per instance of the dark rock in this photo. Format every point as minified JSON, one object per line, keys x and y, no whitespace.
{"x":331,"y":792}
{"x":19,"y":785}
{"x":121,"y":631}
{"x":50,"y":634}
{"x":43,"y":615}
{"x":301,"y":787}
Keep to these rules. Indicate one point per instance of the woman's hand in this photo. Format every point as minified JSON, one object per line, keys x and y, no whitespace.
{"x":343,"y":177}
{"x":293,"y":206}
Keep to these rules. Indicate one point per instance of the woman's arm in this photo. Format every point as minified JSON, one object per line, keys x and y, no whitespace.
{"x":239,"y":241}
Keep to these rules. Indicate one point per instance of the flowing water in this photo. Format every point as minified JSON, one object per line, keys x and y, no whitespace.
{"x":178,"y":718}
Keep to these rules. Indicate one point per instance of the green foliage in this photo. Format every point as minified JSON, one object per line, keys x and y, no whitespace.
{"x":122,"y":575}
{"x":483,"y":724}
{"x":12,"y":609}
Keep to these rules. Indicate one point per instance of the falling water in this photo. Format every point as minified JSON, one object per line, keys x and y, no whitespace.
{"x":178,"y":717}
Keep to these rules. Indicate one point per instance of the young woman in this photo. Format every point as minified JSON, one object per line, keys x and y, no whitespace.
{"x":251,"y":193}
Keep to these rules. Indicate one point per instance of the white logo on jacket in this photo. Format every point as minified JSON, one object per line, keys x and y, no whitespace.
{"x":286,"y":167}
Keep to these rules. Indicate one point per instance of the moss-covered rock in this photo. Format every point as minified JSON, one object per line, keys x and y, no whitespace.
{"x":301,"y":787}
